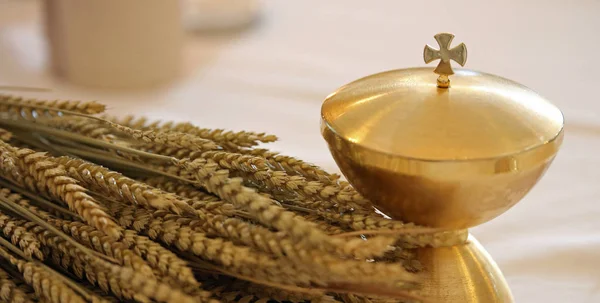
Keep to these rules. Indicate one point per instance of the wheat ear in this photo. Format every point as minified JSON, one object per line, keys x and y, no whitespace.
{"x":14,"y":230}
{"x":10,"y":292}
{"x":264,"y":210}
{"x":80,"y":125}
{"x":128,"y":279}
{"x":98,"y":241}
{"x":45,"y":283}
{"x":174,"y":139}
{"x":120,"y":187}
{"x":198,"y":199}
{"x":229,"y":139}
{"x":163,"y":260}
{"x":18,"y":104}
{"x":293,"y":166}
{"x":5,"y":135}
{"x":51,"y":178}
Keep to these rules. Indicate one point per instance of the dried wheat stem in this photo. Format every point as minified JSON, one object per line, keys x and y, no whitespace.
{"x":127,"y":279}
{"x":181,"y":232}
{"x":293,"y":166}
{"x":174,"y":139}
{"x":179,"y":188}
{"x":13,"y":194}
{"x":197,"y":199}
{"x":264,"y":210}
{"x":297,"y":188}
{"x":51,"y":178}
{"x":10,"y":292}
{"x":234,"y":290}
{"x":270,"y":214}
{"x":375,"y":222}
{"x":99,"y":272}
{"x":163,"y":260}
{"x":81,"y":125}
{"x":98,"y":241}
{"x":229,"y":139}
{"x":14,"y":230}
{"x":227,"y":160}
{"x":17,"y":104}
{"x":120,"y":187}
{"x":37,"y":127}
{"x":45,"y":283}
{"x":234,"y":258}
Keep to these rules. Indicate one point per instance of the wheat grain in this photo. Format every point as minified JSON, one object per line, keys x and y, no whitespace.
{"x":297,"y":188}
{"x":180,"y":189}
{"x":9,"y":164}
{"x":120,"y":187}
{"x":14,"y":230}
{"x":228,"y":139}
{"x":82,"y":126}
{"x":51,"y":178}
{"x":173,"y":139}
{"x":5,"y":135}
{"x":264,"y":210}
{"x":18,"y":104}
{"x":163,"y":260}
{"x":361,"y":222}
{"x":10,"y":292}
{"x":45,"y":283}
{"x":198,"y":199}
{"x":127,"y":279}
{"x":98,"y":241}
{"x":292,"y":165}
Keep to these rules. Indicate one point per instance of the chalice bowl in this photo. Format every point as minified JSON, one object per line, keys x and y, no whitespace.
{"x":444,"y":148}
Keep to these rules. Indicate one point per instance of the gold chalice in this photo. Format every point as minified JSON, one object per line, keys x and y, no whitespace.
{"x":447,"y":152}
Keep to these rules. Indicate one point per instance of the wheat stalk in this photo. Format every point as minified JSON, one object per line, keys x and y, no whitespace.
{"x":51,"y":178}
{"x":229,"y":139}
{"x":163,"y":260}
{"x":82,"y":126}
{"x":98,"y":241}
{"x":188,"y":214}
{"x":293,"y":166}
{"x":120,"y":187}
{"x":10,"y":103}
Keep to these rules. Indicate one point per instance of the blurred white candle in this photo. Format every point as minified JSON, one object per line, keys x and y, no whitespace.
{"x":115,"y":43}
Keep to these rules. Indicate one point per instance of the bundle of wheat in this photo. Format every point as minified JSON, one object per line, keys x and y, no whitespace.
{"x":106,"y":209}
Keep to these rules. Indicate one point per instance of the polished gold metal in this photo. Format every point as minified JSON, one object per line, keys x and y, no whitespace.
{"x":445,"y":54}
{"x":463,"y":273}
{"x":451,"y":158}
{"x":444,"y":157}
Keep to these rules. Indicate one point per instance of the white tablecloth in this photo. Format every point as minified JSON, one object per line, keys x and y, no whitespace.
{"x":274,"y":77}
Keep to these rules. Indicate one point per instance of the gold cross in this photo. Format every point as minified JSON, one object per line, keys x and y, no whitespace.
{"x":445,"y":54}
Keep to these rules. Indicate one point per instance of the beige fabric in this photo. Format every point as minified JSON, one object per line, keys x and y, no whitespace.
{"x":274,"y":77}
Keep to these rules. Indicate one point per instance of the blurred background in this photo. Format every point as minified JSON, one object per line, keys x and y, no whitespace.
{"x":267,"y":66}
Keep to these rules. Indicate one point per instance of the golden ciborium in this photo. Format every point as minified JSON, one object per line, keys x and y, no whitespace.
{"x":451,"y":152}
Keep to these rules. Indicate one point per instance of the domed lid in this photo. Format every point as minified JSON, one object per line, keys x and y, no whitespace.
{"x":409,"y":113}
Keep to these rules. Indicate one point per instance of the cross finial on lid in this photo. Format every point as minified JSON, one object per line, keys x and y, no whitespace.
{"x":445,"y":54}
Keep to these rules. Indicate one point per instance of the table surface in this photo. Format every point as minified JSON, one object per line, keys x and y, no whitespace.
{"x":274,"y":76}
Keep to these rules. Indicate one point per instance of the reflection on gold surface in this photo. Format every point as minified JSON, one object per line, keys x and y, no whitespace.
{"x":440,"y":155}
{"x":463,"y":274}
{"x":443,"y":157}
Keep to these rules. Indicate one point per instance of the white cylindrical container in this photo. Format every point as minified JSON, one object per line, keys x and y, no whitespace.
{"x":215,"y":15}
{"x":115,"y":43}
